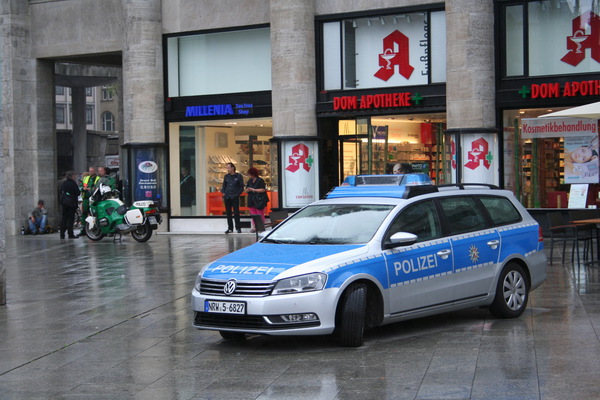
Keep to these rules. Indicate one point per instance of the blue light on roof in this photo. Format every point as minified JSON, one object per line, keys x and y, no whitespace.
{"x":394,"y":186}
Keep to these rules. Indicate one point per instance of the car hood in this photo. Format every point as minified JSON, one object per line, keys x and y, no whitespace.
{"x":267,"y":261}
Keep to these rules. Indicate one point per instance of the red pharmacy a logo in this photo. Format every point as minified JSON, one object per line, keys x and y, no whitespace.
{"x":582,"y":39}
{"x":300,"y":158}
{"x":479,"y":154}
{"x":395,"y":53}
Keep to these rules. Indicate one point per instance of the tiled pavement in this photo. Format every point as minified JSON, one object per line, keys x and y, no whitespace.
{"x":106,"y":320}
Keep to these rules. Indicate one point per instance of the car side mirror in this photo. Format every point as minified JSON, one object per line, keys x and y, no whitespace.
{"x":400,"y":239}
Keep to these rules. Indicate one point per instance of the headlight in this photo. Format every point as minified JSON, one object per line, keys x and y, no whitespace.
{"x":300,"y":284}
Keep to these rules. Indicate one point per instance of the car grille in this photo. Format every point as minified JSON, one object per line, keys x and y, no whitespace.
{"x":243,"y":322}
{"x":213,"y":287}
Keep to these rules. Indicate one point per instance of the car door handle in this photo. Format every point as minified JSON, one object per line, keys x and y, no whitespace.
{"x":443,"y":254}
{"x":493,"y":244}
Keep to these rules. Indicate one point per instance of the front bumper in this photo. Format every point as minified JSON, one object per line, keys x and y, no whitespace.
{"x":262,"y":313}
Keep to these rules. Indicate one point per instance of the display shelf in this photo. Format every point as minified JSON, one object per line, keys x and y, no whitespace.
{"x":216,"y":206}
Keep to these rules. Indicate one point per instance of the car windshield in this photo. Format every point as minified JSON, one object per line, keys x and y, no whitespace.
{"x":331,"y":224}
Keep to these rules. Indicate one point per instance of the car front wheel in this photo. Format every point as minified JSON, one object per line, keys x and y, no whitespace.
{"x":512,"y":292}
{"x":351,"y":316}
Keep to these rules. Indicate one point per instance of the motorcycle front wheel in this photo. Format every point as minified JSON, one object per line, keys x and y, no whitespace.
{"x":94,"y":233}
{"x":142,"y":233}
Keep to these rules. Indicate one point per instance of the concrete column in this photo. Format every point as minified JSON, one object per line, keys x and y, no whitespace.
{"x":143,"y":96}
{"x":79,"y":130}
{"x":293,"y":67}
{"x":470,"y":64}
{"x":26,"y":118}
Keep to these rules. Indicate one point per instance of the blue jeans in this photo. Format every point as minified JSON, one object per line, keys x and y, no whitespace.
{"x":39,"y":224}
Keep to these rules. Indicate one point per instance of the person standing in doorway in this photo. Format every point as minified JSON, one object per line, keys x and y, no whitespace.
{"x":69,"y":202}
{"x":233,"y":186}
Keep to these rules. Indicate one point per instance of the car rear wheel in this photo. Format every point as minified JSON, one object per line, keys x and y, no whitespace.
{"x":233,"y":336}
{"x":351,"y":317}
{"x":512,"y":292}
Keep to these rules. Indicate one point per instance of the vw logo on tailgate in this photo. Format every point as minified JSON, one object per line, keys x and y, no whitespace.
{"x":230,"y":287}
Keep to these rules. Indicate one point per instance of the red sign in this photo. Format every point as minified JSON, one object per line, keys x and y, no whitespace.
{"x":384,"y":100}
{"x":554,"y":89}
{"x":479,"y":154}
{"x":580,"y":40}
{"x":300,"y":158}
{"x":395,"y":53}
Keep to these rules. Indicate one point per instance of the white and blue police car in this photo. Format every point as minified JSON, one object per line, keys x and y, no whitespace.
{"x":373,"y":253}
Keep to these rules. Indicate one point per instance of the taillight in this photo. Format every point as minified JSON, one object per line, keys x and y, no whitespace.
{"x":152,"y":211}
{"x":540,"y":234}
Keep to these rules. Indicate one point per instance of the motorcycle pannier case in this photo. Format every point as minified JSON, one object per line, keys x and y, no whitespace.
{"x":134,"y":217}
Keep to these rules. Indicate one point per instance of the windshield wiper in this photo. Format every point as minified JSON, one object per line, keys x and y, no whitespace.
{"x":278,"y":241}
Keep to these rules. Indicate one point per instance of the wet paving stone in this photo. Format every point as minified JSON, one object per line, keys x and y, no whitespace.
{"x":112,"y":320}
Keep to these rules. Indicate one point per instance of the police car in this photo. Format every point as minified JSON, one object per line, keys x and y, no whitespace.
{"x":373,"y":253}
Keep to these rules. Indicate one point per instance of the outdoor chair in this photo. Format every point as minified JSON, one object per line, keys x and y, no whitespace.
{"x":564,"y":231}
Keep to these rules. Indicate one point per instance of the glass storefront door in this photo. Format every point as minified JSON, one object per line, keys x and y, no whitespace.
{"x":394,"y":144}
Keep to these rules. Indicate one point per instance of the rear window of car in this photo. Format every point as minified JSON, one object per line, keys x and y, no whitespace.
{"x":501,"y":210}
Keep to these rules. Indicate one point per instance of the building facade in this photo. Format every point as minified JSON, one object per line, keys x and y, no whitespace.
{"x":308,"y":92}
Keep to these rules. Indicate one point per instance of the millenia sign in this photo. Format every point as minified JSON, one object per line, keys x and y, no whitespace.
{"x":219,"y":109}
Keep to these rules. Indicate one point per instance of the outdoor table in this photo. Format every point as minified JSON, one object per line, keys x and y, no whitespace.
{"x":596,"y":223}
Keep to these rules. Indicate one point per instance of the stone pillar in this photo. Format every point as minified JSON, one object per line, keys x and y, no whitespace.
{"x":26,"y":119}
{"x":470,"y":85}
{"x":143,"y":96}
{"x":293,"y":67}
{"x":79,"y":130}
{"x":470,"y":90}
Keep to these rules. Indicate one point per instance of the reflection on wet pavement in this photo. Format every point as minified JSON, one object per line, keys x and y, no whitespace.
{"x":104,"y":320}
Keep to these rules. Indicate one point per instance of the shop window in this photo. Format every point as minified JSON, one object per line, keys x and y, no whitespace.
{"x":384,"y":51}
{"x":396,"y":144}
{"x":198,"y":162}
{"x":541,"y":166}
{"x":217,"y":63}
{"x":556,"y":37}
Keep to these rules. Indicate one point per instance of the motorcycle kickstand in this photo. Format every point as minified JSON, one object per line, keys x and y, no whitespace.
{"x":115,"y":237}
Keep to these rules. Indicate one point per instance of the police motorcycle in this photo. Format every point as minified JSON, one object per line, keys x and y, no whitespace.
{"x":108,"y":214}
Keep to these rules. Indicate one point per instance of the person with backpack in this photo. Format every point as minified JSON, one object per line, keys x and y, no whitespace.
{"x":69,"y":200}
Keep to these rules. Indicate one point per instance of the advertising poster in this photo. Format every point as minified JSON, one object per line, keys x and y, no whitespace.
{"x":581,"y":159}
{"x":146,"y":176}
{"x":299,"y":173}
{"x":480,"y":158}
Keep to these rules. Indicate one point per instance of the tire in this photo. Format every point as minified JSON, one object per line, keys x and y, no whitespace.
{"x":351,"y":316}
{"x":233,"y":336}
{"x":94,"y":233}
{"x":512,"y":292}
{"x":143,"y":233}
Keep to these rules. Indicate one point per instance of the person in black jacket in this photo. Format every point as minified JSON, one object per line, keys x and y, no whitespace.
{"x":233,"y":187}
{"x":69,"y":200}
